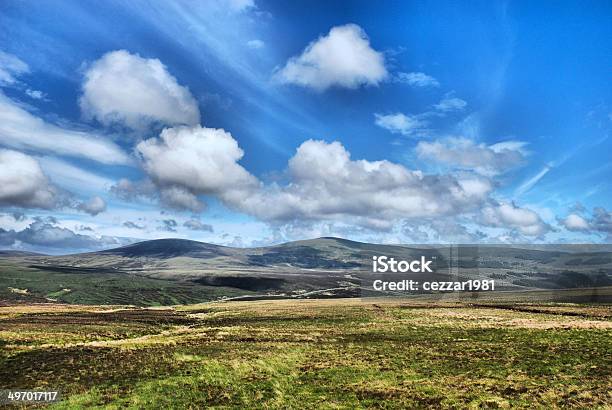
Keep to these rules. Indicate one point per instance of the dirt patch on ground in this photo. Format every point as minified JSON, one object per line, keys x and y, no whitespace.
{"x":495,"y":318}
{"x":556,"y":324}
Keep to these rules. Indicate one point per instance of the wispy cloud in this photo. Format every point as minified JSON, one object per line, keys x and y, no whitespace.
{"x":23,"y":130}
{"x":416,"y":79}
{"x":398,"y":123}
{"x":11,"y":67}
{"x":255,"y":44}
{"x":531,"y":182}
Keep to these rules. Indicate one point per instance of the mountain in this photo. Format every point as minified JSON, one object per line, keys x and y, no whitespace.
{"x":184,"y":270}
{"x":168,"y":248}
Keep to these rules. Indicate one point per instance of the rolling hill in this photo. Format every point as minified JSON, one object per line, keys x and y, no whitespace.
{"x":180,"y":271}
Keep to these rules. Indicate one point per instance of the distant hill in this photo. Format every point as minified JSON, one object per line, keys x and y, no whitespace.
{"x":323,"y":267}
{"x":167,"y":248}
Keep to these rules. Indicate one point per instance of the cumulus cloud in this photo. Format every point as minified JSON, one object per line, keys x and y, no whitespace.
{"x":44,"y":234}
{"x":399,"y":123}
{"x":188,"y":161}
{"x":600,"y":221}
{"x":196,"y":225}
{"x":450,"y":103}
{"x":466,"y":154}
{"x":135,"y":91}
{"x":575,"y":222}
{"x":508,"y":215}
{"x":93,"y":207}
{"x":22,"y":130}
{"x":174,"y":196}
{"x":326,"y":184}
{"x":416,"y":79}
{"x":181,"y":198}
{"x":23,"y":183}
{"x":10,"y":68}
{"x":342,"y":58}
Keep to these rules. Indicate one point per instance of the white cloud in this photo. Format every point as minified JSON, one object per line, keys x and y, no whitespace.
{"x":10,"y":67}
{"x":74,"y":178}
{"x":327,"y":185}
{"x":531,"y":182}
{"x":180,"y":198}
{"x":399,"y":123}
{"x":474,"y":185}
{"x":93,"y":207}
{"x":342,"y":58}
{"x":510,"y":216}
{"x":36,"y":94}
{"x":575,"y":222}
{"x":20,"y":129}
{"x":45,"y":235}
{"x":23,"y":183}
{"x":188,"y":161}
{"x":466,"y":154}
{"x":126,"y":88}
{"x":600,"y":221}
{"x":417,"y":79}
{"x":255,"y":44}
{"x":449,"y":103}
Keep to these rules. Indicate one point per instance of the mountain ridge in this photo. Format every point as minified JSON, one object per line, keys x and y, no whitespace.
{"x":174,"y":247}
{"x":187,"y":270}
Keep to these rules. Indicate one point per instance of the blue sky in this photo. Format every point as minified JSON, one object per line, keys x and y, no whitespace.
{"x":251,"y":122}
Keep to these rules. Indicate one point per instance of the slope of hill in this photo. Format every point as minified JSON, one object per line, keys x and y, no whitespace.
{"x":168,"y":248}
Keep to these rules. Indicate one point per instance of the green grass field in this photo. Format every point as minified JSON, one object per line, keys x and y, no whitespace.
{"x":312,"y":354}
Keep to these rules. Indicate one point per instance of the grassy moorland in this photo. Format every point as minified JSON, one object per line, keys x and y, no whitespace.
{"x":176,"y":271}
{"x":20,"y":283}
{"x":312,"y":354}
